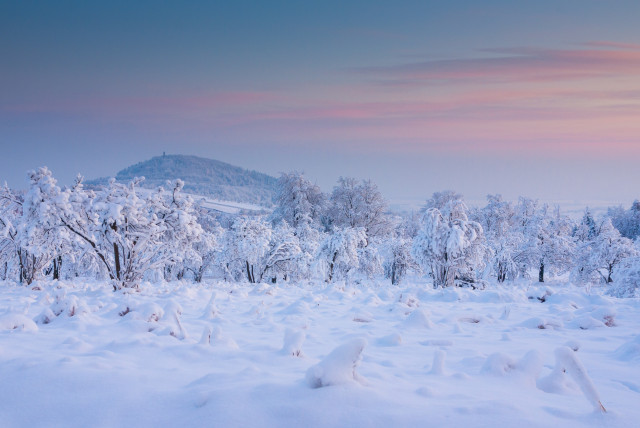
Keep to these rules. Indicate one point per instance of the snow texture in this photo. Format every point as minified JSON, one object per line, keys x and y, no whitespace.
{"x":156,"y":357}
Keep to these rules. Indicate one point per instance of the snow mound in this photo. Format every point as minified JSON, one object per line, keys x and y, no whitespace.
{"x":585,"y":322}
{"x":418,"y":319}
{"x":394,"y":339}
{"x":363,"y":316}
{"x":339,"y":367}
{"x":629,"y":351}
{"x":17,"y":322}
{"x":299,"y":307}
{"x":528,"y":367}
{"x":292,"y":344}
{"x":437,"y":368}
{"x":498,"y":364}
{"x":45,"y":317}
{"x":541,"y":323}
{"x":148,"y":311}
{"x":69,"y":305}
{"x":218,"y":338}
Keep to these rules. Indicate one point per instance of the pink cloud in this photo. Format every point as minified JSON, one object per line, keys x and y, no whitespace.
{"x":520,"y":101}
{"x":517,"y":65}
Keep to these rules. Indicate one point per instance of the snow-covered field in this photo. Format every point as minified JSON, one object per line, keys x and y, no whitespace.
{"x":232,"y":355}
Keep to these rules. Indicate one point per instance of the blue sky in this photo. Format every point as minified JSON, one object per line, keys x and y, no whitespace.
{"x":521,"y":98}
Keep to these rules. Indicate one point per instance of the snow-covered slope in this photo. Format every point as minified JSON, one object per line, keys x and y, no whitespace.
{"x":207,"y":177}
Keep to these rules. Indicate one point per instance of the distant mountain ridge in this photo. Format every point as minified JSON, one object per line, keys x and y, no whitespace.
{"x":207,"y":177}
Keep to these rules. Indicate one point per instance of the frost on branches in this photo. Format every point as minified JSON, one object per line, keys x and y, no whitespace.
{"x":255,"y":251}
{"x":359,"y":205}
{"x":599,"y":256}
{"x":31,"y":236}
{"x":339,"y":252}
{"x":547,"y":245}
{"x":126,"y":234}
{"x":627,"y":279}
{"x":127,"y":230}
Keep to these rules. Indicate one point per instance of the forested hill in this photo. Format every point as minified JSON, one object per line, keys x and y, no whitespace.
{"x":207,"y":177}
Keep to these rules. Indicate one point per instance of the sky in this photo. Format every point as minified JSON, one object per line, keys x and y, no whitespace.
{"x":536,"y":98}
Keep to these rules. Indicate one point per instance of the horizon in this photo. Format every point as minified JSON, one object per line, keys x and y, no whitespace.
{"x":536,"y":99}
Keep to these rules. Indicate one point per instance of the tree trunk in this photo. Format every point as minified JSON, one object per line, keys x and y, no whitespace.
{"x":393,"y":274}
{"x":541,"y":272}
{"x":116,"y":256}
{"x":333,"y":261}
{"x":249,"y":272}
{"x":57,"y":265}
{"x":21,"y":271}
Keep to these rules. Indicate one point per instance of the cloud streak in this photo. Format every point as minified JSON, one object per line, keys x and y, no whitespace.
{"x":602,"y":59}
{"x":517,"y":101}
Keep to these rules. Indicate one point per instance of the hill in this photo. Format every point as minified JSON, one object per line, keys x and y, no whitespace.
{"x":207,"y":177}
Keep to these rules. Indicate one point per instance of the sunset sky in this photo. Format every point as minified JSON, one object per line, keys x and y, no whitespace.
{"x":537,"y":98}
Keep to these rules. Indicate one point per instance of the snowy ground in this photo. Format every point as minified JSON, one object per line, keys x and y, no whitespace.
{"x":432,"y":357}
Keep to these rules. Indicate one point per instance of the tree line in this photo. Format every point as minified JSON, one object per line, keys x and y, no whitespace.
{"x":125,"y":234}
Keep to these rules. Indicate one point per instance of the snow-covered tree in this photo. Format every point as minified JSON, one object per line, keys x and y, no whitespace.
{"x":339,"y":252}
{"x":503,"y":239}
{"x":10,"y":217}
{"x":608,"y":249}
{"x":283,"y":257}
{"x":301,"y":205}
{"x":397,"y":259}
{"x":31,"y":234}
{"x":547,"y":244}
{"x":309,"y":239}
{"x":359,"y":204}
{"x":298,"y":200}
{"x":587,"y":229}
{"x":127,"y":233}
{"x":440,"y":200}
{"x":370,"y":261}
{"x":202,"y":255}
{"x":627,"y":279}
{"x":409,"y":224}
{"x":626,"y":221}
{"x":450,"y":246}
{"x":40,"y":233}
{"x":246,"y":244}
